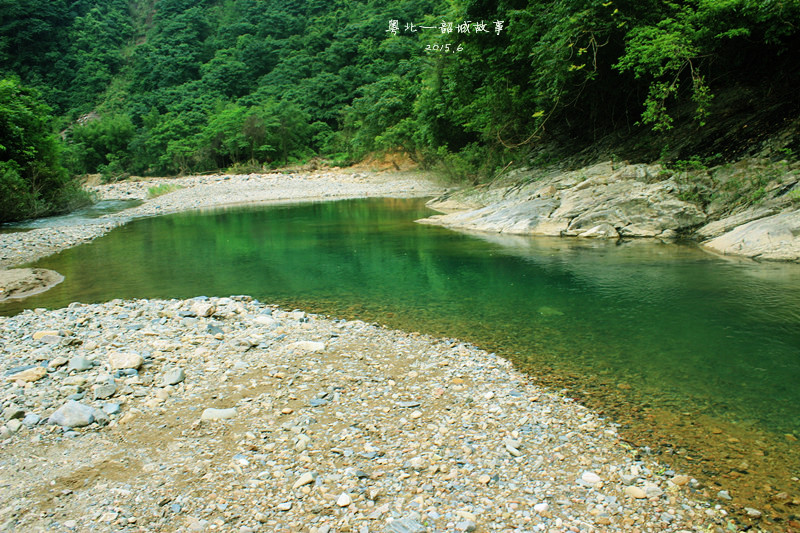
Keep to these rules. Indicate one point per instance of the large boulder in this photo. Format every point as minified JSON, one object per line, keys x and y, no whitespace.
{"x":774,"y":238}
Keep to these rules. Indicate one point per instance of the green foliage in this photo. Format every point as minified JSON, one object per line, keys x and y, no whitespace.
{"x":161,"y":190}
{"x":187,"y":85}
{"x":102,"y":145}
{"x":32,"y":180}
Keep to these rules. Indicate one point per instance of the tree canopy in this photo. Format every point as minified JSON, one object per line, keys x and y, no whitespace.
{"x":188,"y":86}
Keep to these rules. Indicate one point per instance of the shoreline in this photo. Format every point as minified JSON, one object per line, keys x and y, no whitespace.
{"x":211,"y":192}
{"x":334,"y":426}
{"x":208,"y":192}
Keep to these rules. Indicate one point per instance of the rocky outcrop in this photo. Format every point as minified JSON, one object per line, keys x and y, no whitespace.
{"x":600,"y":201}
{"x":774,"y":238}
{"x":751,"y":206}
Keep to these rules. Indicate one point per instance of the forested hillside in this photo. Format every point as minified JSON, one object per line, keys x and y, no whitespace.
{"x":161,"y":87}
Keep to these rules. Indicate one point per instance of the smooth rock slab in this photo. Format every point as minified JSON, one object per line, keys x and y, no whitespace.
{"x":405,"y":525}
{"x":29,"y":376}
{"x":308,"y":346}
{"x":218,"y":414}
{"x":173,"y":376}
{"x":73,"y":415}
{"x":590,"y":477}
{"x":79,"y":364}
{"x":122,"y":360}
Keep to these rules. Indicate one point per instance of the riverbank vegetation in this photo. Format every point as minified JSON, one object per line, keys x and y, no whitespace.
{"x":162,"y":87}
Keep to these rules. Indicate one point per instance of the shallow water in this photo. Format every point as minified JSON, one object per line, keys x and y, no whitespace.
{"x":682,"y":330}
{"x":94,"y":211}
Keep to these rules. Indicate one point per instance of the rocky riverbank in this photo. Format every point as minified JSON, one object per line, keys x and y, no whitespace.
{"x":207,"y":192}
{"x":749,"y":209}
{"x":227,"y":414}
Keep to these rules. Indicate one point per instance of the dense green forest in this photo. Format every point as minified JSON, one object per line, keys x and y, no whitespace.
{"x":162,"y":87}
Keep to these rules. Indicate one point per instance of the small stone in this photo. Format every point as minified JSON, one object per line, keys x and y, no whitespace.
{"x":111,"y":408}
{"x":58,"y":362}
{"x":652,"y":491}
{"x":173,"y":377}
{"x":218,"y":414}
{"x":680,"y":480}
{"x":344,"y":500}
{"x":122,"y":360}
{"x":105,"y":390}
{"x":285,"y":506}
{"x":31,"y":419}
{"x":724,"y":495}
{"x":752,"y":513}
{"x":416,"y":414}
{"x":287,"y":410}
{"x":407,"y":405}
{"x":405,"y":525}
{"x":541,"y":507}
{"x":39,"y":335}
{"x":484,"y":479}
{"x":72,"y":415}
{"x":30,"y":375}
{"x":304,"y":479}
{"x":79,"y":364}
{"x":635,"y":492}
{"x":203,"y":309}
{"x":12,"y":412}
{"x":308,"y":346}
{"x":590,"y":477}
{"x":13,"y":425}
{"x":466,"y":525}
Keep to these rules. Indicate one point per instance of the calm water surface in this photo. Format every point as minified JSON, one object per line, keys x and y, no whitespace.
{"x":675,"y":324}
{"x":724,"y":335}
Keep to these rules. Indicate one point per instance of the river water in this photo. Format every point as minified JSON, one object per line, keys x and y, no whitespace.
{"x":693,"y":354}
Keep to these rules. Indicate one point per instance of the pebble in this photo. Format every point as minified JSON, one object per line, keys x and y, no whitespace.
{"x":396,"y":447}
{"x":590,"y":477}
{"x":218,"y":414}
{"x":173,"y":376}
{"x":28,"y":376}
{"x":79,"y":364}
{"x":635,"y":492}
{"x":124,"y":360}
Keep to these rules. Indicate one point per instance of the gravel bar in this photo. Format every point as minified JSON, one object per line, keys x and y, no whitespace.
{"x":226,"y":414}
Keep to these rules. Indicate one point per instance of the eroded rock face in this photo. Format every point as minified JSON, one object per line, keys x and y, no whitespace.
{"x":597,"y":202}
{"x":774,"y":238}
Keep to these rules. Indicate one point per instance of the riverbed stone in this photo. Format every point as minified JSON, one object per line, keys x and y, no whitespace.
{"x":212,"y":413}
{"x":28,"y":376}
{"x":173,"y":376}
{"x":79,"y":364}
{"x":73,"y":414}
{"x":124,"y":360}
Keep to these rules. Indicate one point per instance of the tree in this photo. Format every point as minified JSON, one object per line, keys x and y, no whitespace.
{"x":32,"y":180}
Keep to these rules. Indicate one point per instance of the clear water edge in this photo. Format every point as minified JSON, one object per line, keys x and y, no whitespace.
{"x":670,"y":327}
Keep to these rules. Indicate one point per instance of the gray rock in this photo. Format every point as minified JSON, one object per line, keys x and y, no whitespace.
{"x":31,"y":419}
{"x":465,"y":525}
{"x":775,"y":238}
{"x":405,"y":525}
{"x":173,"y":376}
{"x":79,"y":364}
{"x":724,"y":495}
{"x":111,"y":408}
{"x":599,"y":201}
{"x":12,"y":412}
{"x":14,"y":425}
{"x":73,"y":414}
{"x":105,"y":390}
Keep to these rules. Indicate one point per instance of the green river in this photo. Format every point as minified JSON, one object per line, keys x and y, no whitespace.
{"x":672,"y":341}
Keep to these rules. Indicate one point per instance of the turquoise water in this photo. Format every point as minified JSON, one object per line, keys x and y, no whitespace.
{"x":682,"y":328}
